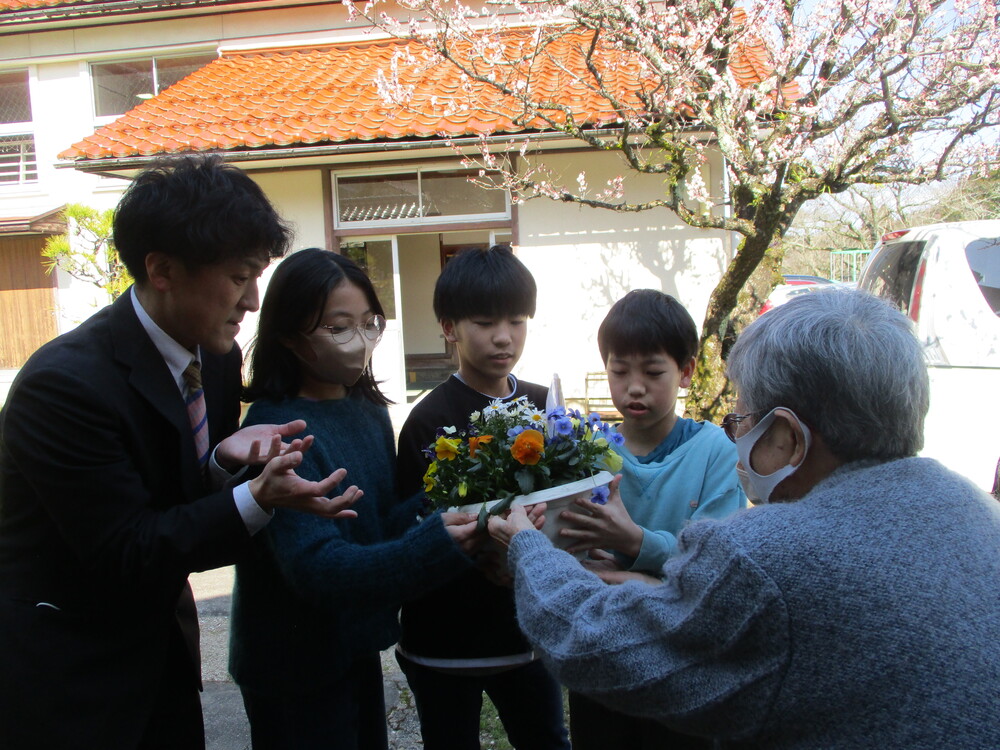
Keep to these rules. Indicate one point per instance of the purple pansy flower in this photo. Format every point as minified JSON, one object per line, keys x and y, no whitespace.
{"x":600,"y":495}
{"x":564,"y":426}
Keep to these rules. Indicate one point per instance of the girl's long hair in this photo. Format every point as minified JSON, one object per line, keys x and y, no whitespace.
{"x":293,"y":303}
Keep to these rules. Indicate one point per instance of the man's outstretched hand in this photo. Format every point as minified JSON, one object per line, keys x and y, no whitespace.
{"x":257,"y":444}
{"x":279,"y":486}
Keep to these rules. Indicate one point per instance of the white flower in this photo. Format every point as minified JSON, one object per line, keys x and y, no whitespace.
{"x":497,"y":406}
{"x":534,"y":416}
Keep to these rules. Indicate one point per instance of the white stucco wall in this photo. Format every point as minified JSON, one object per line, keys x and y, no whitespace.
{"x":298,"y":197}
{"x":585,"y":259}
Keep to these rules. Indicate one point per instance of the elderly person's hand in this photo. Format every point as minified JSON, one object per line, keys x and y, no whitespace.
{"x":462,"y":528}
{"x":517,"y":519}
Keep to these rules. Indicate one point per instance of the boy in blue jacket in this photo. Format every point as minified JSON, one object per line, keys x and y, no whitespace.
{"x":675,"y":470}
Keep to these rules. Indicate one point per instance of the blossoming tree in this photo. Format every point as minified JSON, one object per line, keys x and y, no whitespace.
{"x":840,"y":93}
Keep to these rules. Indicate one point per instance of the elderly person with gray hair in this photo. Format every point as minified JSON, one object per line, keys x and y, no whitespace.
{"x":857,"y":605}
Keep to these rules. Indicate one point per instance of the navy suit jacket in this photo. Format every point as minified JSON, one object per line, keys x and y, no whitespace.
{"x":103,"y":513}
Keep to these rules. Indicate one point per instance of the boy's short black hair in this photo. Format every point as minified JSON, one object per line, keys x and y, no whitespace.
{"x":647,"y":321}
{"x":198,"y":209}
{"x":484,"y":282}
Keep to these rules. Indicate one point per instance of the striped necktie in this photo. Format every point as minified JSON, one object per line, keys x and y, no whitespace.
{"x":195,"y":401}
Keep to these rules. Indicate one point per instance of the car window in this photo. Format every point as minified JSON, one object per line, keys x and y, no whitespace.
{"x":892,"y":272}
{"x":983,"y":255}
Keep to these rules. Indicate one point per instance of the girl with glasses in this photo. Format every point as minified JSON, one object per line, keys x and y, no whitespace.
{"x":315,"y":607}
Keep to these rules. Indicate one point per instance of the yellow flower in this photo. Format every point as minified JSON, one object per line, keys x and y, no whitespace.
{"x":612,"y":462}
{"x":429,"y":481}
{"x":463,"y":489}
{"x":446,"y":448}
{"x":528,"y":447}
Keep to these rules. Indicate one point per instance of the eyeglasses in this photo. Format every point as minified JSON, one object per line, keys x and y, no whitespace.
{"x":732,"y":420}
{"x":372,"y":329}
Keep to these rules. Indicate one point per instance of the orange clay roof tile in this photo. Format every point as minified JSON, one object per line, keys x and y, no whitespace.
{"x":332,"y":95}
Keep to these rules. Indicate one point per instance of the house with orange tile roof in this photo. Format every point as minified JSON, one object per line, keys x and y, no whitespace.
{"x":294,"y":93}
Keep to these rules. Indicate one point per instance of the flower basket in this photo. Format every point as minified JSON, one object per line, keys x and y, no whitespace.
{"x":558,"y":499}
{"x":511,"y":451}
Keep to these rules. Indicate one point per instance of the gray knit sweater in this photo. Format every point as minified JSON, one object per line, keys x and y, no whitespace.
{"x":866,"y":614}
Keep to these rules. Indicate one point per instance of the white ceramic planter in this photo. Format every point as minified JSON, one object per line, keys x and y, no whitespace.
{"x":557,"y":499}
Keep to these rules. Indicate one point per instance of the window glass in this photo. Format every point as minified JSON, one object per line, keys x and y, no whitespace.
{"x":984,"y":260}
{"x":385,"y":197}
{"x":120,"y":86}
{"x":451,"y":194}
{"x":375,"y":259}
{"x":892,"y":273}
{"x":15,"y":102}
{"x":172,"y":69}
{"x":429,"y":195}
{"x":17,"y":159}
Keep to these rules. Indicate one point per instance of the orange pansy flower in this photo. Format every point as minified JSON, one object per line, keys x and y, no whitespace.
{"x":528,"y":447}
{"x":474,"y":443}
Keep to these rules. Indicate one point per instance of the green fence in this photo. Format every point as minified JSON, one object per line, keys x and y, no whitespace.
{"x":846,"y":265}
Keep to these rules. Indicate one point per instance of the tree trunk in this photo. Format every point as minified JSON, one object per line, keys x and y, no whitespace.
{"x":732,"y":306}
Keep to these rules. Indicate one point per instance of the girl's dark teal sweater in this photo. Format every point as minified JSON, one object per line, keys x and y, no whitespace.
{"x":321,"y":592}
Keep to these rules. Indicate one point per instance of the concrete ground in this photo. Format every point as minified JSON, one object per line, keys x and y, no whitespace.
{"x":225,"y":721}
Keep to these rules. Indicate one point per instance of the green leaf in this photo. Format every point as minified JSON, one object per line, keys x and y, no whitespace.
{"x":484,"y":517}
{"x":525,"y":481}
{"x":502,"y":506}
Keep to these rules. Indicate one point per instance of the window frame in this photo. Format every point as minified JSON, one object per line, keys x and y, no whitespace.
{"x":419,"y":221}
{"x":25,"y":132}
{"x":152,"y":60}
{"x":27,"y":168}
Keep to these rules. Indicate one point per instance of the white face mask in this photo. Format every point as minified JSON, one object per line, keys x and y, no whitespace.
{"x":757,"y":487}
{"x":339,"y":364}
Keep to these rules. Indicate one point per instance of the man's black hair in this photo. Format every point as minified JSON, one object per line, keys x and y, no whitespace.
{"x":490,"y":282}
{"x":197,"y":209}
{"x":647,"y":321}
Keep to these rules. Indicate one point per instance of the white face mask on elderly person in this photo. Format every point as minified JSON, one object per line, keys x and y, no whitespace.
{"x":758,"y":487}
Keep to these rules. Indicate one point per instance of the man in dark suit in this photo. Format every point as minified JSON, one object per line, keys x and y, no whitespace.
{"x":110,"y":493}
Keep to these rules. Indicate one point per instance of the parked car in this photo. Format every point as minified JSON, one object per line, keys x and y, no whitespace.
{"x":946,"y":278}
{"x":792,"y":285}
